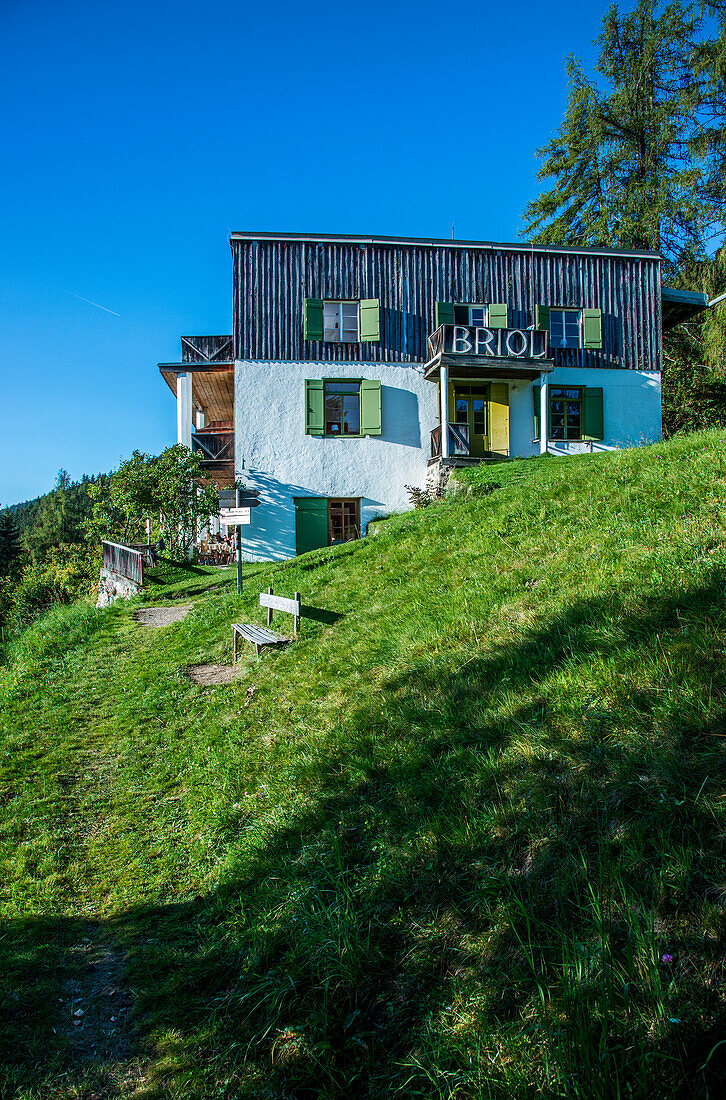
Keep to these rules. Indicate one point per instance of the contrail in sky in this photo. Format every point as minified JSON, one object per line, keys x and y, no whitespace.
{"x":82,"y":299}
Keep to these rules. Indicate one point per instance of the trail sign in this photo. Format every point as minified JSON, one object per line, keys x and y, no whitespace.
{"x":232,"y":516}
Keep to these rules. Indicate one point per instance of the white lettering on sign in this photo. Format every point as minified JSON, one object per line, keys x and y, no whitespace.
{"x":511,"y":343}
{"x":462,"y":342}
{"x":523,"y":347}
{"x":483,"y":340}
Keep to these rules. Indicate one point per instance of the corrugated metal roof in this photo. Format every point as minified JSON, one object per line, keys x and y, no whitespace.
{"x":523,"y":246}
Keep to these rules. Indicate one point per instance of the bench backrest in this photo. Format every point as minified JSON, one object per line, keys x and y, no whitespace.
{"x":282,"y":603}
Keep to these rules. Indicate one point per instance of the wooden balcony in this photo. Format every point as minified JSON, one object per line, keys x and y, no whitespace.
{"x":458,"y":441}
{"x":216,"y":446}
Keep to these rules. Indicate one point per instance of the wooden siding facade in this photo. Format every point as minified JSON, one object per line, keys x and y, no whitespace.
{"x":274,"y":275}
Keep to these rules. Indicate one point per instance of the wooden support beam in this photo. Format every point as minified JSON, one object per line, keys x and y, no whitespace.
{"x":444,"y":412}
{"x":184,"y":409}
{"x":543,"y":418}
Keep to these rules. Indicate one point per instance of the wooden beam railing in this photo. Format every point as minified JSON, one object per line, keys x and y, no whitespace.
{"x":215,"y":446}
{"x":123,"y":560}
{"x":458,"y":440}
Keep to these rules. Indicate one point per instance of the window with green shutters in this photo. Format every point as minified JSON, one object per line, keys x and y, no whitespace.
{"x":493,"y":315}
{"x":570,"y":328}
{"x":574,"y":413}
{"x":342,"y":322}
{"x":343,"y":407}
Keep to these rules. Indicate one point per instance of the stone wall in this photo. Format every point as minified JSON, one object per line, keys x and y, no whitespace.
{"x":112,"y":587}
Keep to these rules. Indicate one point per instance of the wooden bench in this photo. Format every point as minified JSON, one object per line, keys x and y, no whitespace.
{"x":261,"y":636}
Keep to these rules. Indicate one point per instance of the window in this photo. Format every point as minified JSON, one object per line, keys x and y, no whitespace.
{"x":340,"y":322}
{"x":342,"y":408}
{"x":570,"y":328}
{"x":493,"y":315}
{"x":472,"y":316}
{"x":343,"y":521}
{"x":320,"y":521}
{"x":565,"y":412}
{"x":575,"y":412}
{"x":565,"y":328}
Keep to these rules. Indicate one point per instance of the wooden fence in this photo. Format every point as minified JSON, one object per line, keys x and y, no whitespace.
{"x":124,"y":560}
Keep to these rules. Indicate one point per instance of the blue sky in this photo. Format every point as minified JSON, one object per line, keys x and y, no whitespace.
{"x":136,"y":136}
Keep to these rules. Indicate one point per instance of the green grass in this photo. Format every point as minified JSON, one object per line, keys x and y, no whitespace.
{"x":439,"y":847}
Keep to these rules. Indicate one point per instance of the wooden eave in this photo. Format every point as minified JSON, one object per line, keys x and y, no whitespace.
{"x":681,"y":305}
{"x":441,"y":242}
{"x":478,"y":366}
{"x":212,"y":386}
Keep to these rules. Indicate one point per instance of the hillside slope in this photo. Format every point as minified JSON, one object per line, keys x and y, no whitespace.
{"x":462,"y":839}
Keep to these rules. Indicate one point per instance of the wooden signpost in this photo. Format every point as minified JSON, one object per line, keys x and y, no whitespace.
{"x":235,"y":510}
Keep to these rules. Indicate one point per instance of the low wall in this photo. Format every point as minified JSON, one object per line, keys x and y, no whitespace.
{"x":112,"y":586}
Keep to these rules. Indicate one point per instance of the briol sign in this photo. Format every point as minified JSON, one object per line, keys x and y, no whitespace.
{"x":497,"y":343}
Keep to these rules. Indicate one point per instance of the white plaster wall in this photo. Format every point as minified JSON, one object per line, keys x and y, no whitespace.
{"x":631,"y":410}
{"x":275,"y":456}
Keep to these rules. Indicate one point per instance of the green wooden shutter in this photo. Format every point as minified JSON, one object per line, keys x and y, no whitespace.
{"x":444,"y":314}
{"x":592,"y":328}
{"x":370,"y":407}
{"x":536,"y":402}
{"x":542,"y":318}
{"x":497,"y":315}
{"x":370,"y":319}
{"x":311,"y":523}
{"x":314,"y":406}
{"x":313,"y":319}
{"x":593,"y":419}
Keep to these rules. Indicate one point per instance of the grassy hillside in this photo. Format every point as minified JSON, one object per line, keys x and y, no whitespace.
{"x":462,"y":839}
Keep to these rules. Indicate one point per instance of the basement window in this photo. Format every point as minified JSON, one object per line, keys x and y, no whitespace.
{"x":565,"y":412}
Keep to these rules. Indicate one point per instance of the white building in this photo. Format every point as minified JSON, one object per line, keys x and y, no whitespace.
{"x":348,"y":354}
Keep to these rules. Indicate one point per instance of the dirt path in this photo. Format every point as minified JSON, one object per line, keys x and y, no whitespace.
{"x":162,"y":616}
{"x":93,"y":1016}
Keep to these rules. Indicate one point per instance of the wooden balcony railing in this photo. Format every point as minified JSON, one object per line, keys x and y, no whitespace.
{"x":215,"y":446}
{"x":458,"y":441}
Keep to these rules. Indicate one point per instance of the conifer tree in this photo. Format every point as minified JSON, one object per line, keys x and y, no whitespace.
{"x":635,"y":163}
{"x":10,"y":549}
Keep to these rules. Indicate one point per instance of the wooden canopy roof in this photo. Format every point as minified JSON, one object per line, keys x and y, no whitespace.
{"x":212,"y":386}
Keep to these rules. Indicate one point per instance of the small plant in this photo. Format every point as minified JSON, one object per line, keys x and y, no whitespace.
{"x":421,"y":498}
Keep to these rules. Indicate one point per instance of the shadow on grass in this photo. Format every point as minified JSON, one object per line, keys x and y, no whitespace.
{"x":449,"y":914}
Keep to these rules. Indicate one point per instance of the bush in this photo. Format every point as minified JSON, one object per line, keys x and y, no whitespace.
{"x":66,"y":574}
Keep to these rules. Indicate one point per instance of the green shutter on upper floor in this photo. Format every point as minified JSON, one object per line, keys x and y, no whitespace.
{"x":314,"y":406}
{"x":370,"y":319}
{"x":370,"y":407}
{"x":311,"y":523}
{"x":542,"y":318}
{"x":593,"y":421}
{"x":313,"y":319}
{"x":592,"y":328}
{"x":536,"y":405}
{"x":443,"y":314}
{"x":498,"y":315}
